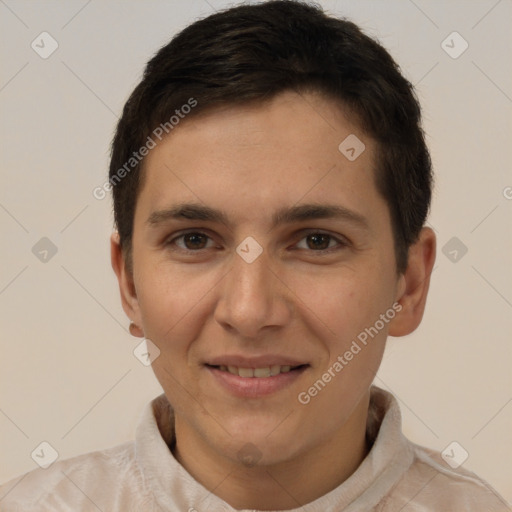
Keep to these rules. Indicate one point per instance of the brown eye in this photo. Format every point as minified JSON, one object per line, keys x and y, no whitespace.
{"x":318,"y":241}
{"x":192,"y":241}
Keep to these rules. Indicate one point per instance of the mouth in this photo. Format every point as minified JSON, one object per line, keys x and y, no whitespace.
{"x":251,"y":382}
{"x":258,"y":373}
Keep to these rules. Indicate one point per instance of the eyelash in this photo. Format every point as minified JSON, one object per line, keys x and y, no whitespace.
{"x":342,"y":243}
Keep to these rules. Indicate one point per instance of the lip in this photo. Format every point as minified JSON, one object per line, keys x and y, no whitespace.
{"x":255,"y":387}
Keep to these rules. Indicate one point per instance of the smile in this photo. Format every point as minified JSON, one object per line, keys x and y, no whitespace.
{"x":247,"y":382}
{"x":266,"y":371}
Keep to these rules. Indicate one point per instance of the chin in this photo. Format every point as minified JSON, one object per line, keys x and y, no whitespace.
{"x":259,"y":452}
{"x":265,"y":441}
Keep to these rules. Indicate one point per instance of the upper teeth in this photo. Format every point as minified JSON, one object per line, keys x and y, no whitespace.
{"x":267,"y":371}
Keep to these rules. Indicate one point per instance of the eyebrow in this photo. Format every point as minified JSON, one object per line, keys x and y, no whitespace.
{"x":287,"y":215}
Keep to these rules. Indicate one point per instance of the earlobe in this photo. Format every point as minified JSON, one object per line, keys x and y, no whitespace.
{"x":135,"y":330}
{"x":414,"y":284}
{"x":129,"y":299}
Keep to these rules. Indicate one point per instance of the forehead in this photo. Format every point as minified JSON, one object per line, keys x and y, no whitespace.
{"x":259,"y":157}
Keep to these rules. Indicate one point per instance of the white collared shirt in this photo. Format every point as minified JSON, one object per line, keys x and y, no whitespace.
{"x":396,"y":475}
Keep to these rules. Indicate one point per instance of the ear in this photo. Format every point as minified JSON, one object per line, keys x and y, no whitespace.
{"x":129,"y":299}
{"x":413,"y":284}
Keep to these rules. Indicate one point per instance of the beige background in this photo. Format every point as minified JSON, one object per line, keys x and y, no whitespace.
{"x":68,"y":374}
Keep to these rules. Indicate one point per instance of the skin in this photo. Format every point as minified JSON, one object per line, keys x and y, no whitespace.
{"x":293,"y":299}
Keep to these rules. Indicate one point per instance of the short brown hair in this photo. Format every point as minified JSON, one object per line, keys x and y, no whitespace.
{"x":250,"y":53}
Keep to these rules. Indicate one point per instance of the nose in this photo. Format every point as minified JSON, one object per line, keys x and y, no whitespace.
{"x":253,"y":299}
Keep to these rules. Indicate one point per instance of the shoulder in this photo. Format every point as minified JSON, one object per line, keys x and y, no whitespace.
{"x":99,"y":477}
{"x":430,"y":483}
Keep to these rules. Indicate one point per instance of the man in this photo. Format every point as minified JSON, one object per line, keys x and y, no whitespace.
{"x":271,"y":184}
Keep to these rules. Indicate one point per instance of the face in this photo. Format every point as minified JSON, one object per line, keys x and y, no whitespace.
{"x":262,"y":256}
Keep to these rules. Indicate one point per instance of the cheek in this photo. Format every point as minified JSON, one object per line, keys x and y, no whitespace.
{"x":174,"y":308}
{"x":343,"y":302}
{"x":351,"y":308}
{"x":172,"y":304}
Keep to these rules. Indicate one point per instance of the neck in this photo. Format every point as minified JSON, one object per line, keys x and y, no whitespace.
{"x":285,"y":485}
